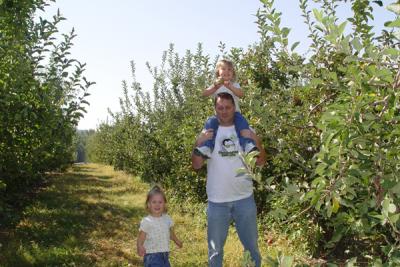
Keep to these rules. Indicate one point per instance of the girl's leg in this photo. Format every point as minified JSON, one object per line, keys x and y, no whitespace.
{"x":166,"y":259}
{"x":211,"y":123}
{"x":207,"y":147}
{"x":243,"y":129}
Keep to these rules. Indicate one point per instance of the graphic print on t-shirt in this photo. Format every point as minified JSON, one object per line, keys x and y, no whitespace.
{"x":228,"y":147}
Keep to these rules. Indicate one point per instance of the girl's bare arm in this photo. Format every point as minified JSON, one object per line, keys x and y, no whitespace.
{"x":140,"y":243}
{"x":175,"y":238}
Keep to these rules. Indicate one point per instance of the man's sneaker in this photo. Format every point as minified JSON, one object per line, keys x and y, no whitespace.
{"x":250,"y":147}
{"x":203,"y":151}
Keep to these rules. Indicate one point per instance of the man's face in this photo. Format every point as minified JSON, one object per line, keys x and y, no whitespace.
{"x":225,"y":110}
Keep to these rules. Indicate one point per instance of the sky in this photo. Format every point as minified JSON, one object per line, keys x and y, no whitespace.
{"x":110,"y":34}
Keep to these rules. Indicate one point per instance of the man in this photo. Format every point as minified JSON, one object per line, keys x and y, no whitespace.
{"x":230,"y":196}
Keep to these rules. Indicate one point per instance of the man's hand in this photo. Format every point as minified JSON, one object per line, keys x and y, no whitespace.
{"x":261,"y":158}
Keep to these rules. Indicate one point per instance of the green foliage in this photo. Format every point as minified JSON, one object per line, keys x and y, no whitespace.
{"x":42,"y":95}
{"x":329,"y":123}
{"x":247,"y":261}
{"x":280,"y":261}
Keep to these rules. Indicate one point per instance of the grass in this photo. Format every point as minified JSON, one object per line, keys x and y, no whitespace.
{"x":89,"y":216}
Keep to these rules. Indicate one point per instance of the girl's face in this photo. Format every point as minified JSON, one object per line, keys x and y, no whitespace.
{"x":156,"y":205}
{"x":225,"y":72}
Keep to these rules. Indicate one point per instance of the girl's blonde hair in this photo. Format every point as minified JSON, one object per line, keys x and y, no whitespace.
{"x":227,"y":62}
{"x":155,"y":190}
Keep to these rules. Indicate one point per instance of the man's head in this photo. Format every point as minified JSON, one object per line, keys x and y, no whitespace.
{"x":225,"y":109}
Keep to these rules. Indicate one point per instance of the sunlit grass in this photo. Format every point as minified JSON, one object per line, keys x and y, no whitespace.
{"x":86,"y":217}
{"x":90,"y":216}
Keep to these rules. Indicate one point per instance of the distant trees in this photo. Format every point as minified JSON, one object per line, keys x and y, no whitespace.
{"x":42,"y":95}
{"x":80,"y":143}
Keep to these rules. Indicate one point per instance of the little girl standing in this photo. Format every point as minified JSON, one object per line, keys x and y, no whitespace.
{"x":155,"y":231}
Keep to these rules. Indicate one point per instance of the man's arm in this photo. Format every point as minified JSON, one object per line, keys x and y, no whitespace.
{"x":197,"y":161}
{"x":261,"y":158}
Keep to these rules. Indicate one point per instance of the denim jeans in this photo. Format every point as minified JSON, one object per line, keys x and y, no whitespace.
{"x":159,"y":259}
{"x":240,"y":124}
{"x":219,"y":215}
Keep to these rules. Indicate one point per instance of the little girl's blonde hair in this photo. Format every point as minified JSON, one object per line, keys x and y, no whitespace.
{"x":155,"y":190}
{"x":227,"y":62}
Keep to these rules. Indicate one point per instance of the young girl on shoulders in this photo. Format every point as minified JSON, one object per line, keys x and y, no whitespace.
{"x":155,"y":231}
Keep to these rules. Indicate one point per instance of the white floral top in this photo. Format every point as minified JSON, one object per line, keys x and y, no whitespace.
{"x":157,"y":231}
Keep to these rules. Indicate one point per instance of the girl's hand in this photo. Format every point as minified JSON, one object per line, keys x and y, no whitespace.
{"x":179,"y":243}
{"x":228,"y":85}
{"x":219,"y":82}
{"x":141,"y":251}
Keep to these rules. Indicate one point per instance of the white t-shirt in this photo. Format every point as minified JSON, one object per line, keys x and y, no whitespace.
{"x":223,"y":183}
{"x":157,"y":233}
{"x":223,"y":89}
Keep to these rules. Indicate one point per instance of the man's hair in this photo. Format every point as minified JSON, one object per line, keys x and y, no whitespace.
{"x":226,"y":96}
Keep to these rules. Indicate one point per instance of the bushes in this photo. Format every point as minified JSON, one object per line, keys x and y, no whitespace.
{"x":329,"y":122}
{"x":42,"y":94}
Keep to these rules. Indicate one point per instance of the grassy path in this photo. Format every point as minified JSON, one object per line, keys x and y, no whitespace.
{"x":89,"y":217}
{"x":85,"y":217}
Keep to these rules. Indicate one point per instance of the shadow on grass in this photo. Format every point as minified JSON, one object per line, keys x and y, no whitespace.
{"x":62,"y":223}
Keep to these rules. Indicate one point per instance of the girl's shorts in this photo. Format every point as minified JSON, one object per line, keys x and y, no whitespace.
{"x":159,"y":259}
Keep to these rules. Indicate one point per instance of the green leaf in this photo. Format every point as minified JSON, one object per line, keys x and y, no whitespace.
{"x":286,"y":261}
{"x":395,"y":23}
{"x":320,"y":170}
{"x":391,"y":52}
{"x":394,"y":218}
{"x":329,"y":210}
{"x":341,"y":27}
{"x":294,"y":46}
{"x":378,"y":216}
{"x":351,"y":262}
{"x":396,"y":189}
{"x":317,"y":14}
{"x":357,"y":44}
{"x":241,"y":171}
{"x":292,"y":188}
{"x":335,"y":205}
{"x":394,"y":8}
{"x":392,"y":208}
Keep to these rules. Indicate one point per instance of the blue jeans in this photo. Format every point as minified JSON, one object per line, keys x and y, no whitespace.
{"x":240,"y":124}
{"x":219,"y":215}
{"x":159,"y":259}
